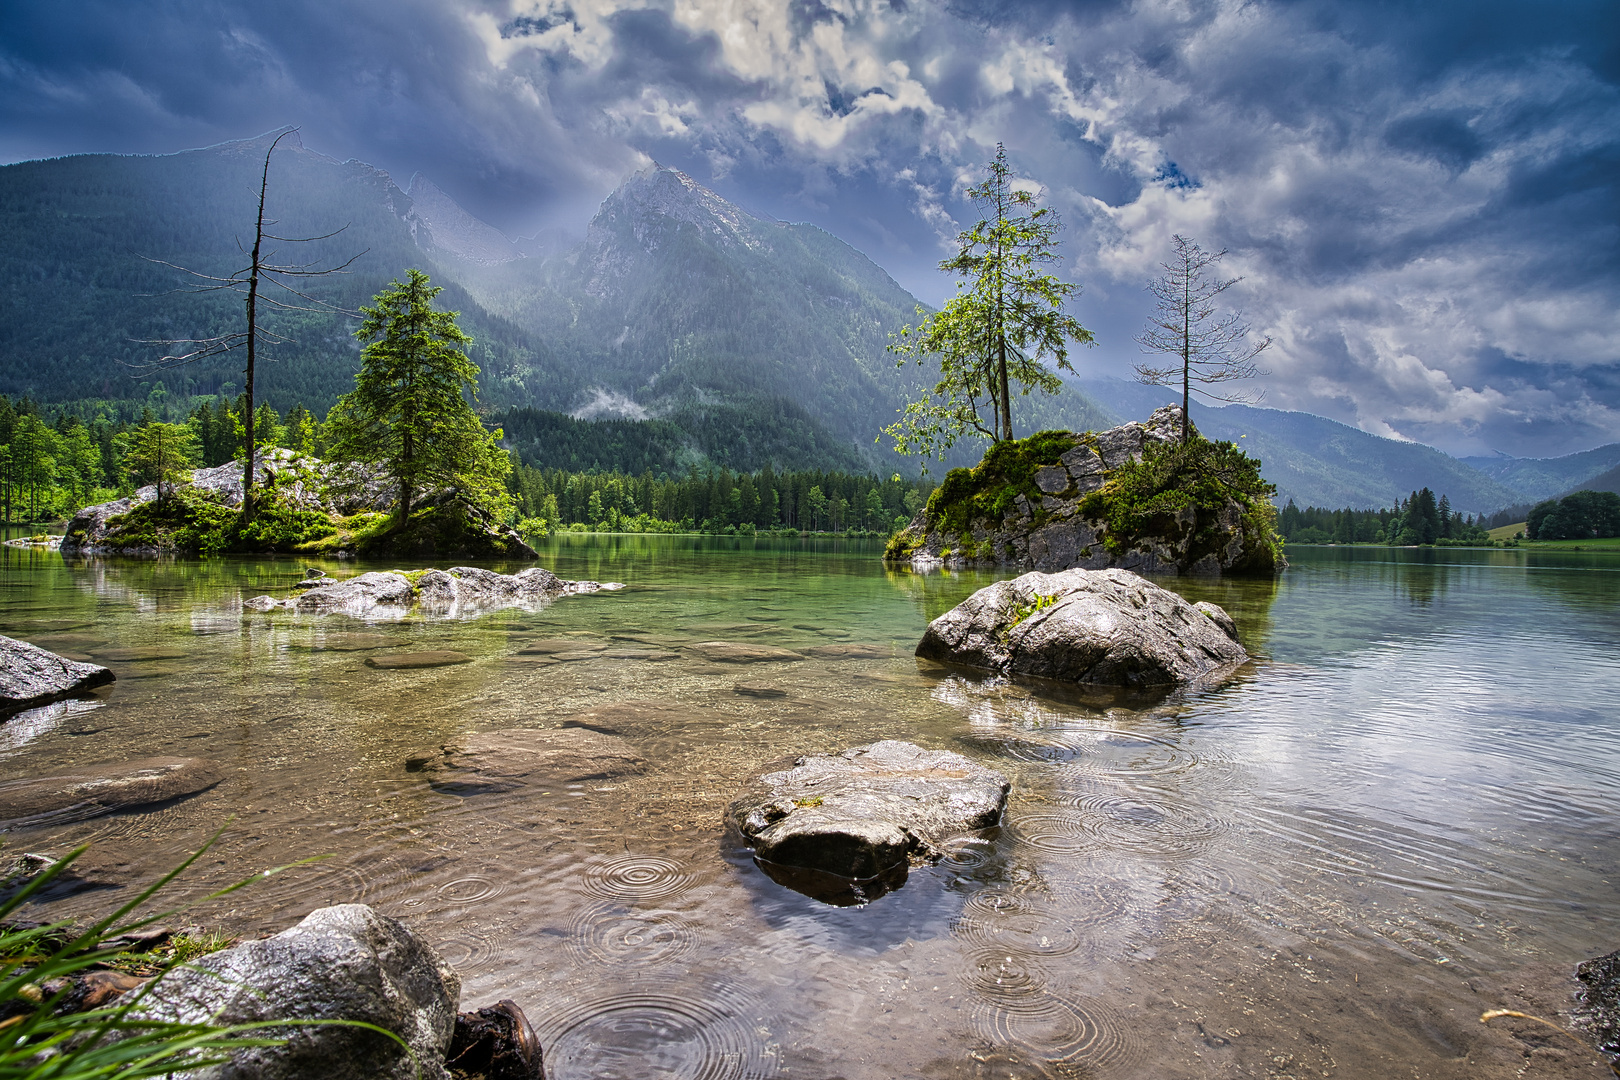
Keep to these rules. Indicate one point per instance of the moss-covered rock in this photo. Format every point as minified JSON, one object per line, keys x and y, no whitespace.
{"x":1132,"y":496}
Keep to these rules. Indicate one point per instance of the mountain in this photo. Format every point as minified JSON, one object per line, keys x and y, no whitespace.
{"x":88,"y":277}
{"x":1320,"y":462}
{"x":682,"y":306}
{"x":750,"y":341}
{"x":1543,"y":478}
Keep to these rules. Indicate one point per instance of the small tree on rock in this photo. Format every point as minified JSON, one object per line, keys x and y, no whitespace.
{"x":1000,"y":330}
{"x":1210,"y":349}
{"x":160,"y":454}
{"x":407,"y":411}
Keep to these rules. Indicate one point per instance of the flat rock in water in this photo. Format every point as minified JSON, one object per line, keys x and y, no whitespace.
{"x":100,"y":789}
{"x":650,"y":655}
{"x":759,"y":690}
{"x":850,"y":652}
{"x":846,"y":826}
{"x":69,"y":641}
{"x":141,"y":654}
{"x":552,"y":646}
{"x":623,"y":717}
{"x":576,"y":655}
{"x":342,"y":963}
{"x":30,"y":676}
{"x":737,"y":652}
{"x":514,"y":758}
{"x":348,"y":643}
{"x":407,"y":660}
{"x":1095,"y":627}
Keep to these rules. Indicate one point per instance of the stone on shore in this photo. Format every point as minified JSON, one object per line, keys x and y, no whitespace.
{"x":514,"y":758}
{"x":341,"y":963}
{"x":845,"y":827}
{"x":1597,"y":1011}
{"x":1096,"y":627}
{"x":101,"y":789}
{"x":30,"y":676}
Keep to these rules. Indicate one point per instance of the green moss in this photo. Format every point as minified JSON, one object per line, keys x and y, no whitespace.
{"x":814,"y":800}
{"x":1024,"y":611}
{"x":1144,"y":499}
{"x":901,"y":545}
{"x":991,"y":488}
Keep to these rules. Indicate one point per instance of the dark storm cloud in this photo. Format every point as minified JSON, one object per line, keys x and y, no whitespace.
{"x":1421,"y":196}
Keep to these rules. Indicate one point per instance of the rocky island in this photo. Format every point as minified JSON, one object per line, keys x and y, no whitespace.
{"x":1133,"y":496}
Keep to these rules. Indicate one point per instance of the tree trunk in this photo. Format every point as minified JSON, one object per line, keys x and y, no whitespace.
{"x":253,"y":340}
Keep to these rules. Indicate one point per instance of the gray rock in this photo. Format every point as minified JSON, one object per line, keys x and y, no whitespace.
{"x":737,"y":652}
{"x":640,"y":717}
{"x":260,"y":603}
{"x":30,"y":676}
{"x":306,"y":482}
{"x":1597,"y":1010}
{"x":514,"y":758}
{"x":430,"y":658}
{"x":863,"y":816}
{"x":101,"y":789}
{"x":1061,"y":536}
{"x":341,"y":963}
{"x":1100,"y":627}
{"x":458,"y":590}
{"x":853,"y":651}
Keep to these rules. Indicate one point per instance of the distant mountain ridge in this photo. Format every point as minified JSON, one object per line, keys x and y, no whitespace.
{"x":741,"y":340}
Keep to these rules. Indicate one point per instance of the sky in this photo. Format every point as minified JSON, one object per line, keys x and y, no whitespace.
{"x":1422,"y":199}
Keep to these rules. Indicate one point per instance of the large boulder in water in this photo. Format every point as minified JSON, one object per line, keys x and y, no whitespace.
{"x":1098,"y":627}
{"x":341,"y":963}
{"x":845,"y":827}
{"x":30,"y":676}
{"x":92,"y":790}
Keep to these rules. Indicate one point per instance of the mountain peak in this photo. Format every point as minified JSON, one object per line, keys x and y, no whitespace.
{"x":661,"y":192}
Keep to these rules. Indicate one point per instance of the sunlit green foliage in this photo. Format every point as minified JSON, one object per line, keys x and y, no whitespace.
{"x":1000,"y":329}
{"x":407,"y":411}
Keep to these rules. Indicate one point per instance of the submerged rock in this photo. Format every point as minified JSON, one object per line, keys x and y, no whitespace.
{"x":30,"y":676}
{"x":496,"y":1043}
{"x":845,"y":827}
{"x":341,"y":963}
{"x":737,"y":652}
{"x":1597,"y":1011}
{"x":101,"y":789}
{"x":495,"y":761}
{"x":1099,"y":627}
{"x":411,"y":660}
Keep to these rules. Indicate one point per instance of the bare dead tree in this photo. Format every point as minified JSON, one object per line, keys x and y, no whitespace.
{"x":1211,"y":348}
{"x":261,"y":268}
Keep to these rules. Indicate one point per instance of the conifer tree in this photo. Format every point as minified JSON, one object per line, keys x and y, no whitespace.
{"x":407,"y":411}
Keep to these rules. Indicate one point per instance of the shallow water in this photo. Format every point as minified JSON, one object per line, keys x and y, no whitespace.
{"x":1400,"y":815}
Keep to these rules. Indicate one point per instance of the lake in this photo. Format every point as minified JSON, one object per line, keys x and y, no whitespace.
{"x":1400,"y":815}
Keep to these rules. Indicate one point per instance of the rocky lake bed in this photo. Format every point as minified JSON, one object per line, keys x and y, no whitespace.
{"x":1176,"y":885}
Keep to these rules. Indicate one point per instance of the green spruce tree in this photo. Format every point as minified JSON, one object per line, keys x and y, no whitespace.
{"x":409,"y":409}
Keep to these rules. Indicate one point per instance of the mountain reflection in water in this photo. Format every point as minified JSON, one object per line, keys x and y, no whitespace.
{"x":1400,"y":816}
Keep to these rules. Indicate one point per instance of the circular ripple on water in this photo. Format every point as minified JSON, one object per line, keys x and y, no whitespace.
{"x":1008,"y":978}
{"x":1013,"y":924}
{"x":1101,"y":752}
{"x":679,"y":1034}
{"x":469,"y":890}
{"x":1056,"y":1029}
{"x":466,"y":951}
{"x":605,"y":932}
{"x":1054,"y":832}
{"x":636,"y":877}
{"x":968,"y":852}
{"x":1140,"y":825}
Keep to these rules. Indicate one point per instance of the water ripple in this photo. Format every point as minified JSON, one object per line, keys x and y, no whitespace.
{"x":637,"y":877}
{"x":675,"y":1032}
{"x":606,"y":933}
{"x":1059,"y":1029}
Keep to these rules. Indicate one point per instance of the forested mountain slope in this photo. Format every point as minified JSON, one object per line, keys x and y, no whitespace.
{"x":83,"y":285}
{"x":1543,"y":478}
{"x":753,"y":341}
{"x":1320,"y":462}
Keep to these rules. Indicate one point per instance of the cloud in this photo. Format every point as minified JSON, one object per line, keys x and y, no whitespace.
{"x":1427,"y":221}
